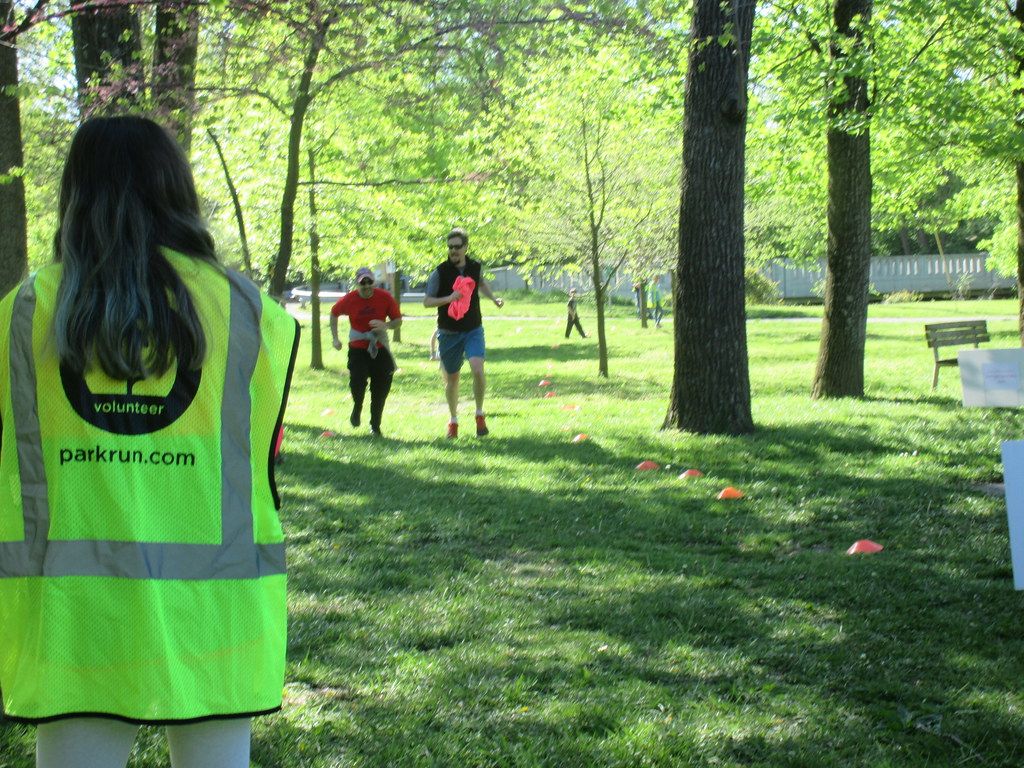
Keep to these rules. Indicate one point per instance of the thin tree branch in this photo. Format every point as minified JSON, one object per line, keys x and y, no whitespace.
{"x":444,"y":31}
{"x":9,"y":33}
{"x":241,"y":91}
{"x":470,"y":179}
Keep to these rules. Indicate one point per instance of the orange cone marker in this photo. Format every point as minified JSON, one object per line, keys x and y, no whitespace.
{"x":645,"y":466}
{"x":864,"y":547}
{"x":327,"y":433}
{"x":579,"y":438}
{"x":570,"y":407}
{"x":690,"y":473}
{"x":549,"y":393}
{"x":730,"y":493}
{"x":544,"y":383}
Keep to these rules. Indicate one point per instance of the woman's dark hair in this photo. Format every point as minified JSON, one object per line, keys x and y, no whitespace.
{"x":127,"y":191}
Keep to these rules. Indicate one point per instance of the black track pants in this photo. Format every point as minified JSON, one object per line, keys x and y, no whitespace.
{"x":378,"y":371}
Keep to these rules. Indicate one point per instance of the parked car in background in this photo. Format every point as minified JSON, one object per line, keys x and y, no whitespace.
{"x":330,"y":291}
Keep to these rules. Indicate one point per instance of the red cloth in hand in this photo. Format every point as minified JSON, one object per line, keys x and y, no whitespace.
{"x":465,"y":286}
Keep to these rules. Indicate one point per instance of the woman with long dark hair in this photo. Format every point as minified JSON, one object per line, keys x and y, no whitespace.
{"x":142,"y":384}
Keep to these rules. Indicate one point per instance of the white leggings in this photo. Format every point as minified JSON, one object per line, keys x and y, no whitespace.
{"x":98,"y":742}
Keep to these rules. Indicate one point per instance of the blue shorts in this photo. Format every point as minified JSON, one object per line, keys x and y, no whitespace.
{"x":453,"y":346}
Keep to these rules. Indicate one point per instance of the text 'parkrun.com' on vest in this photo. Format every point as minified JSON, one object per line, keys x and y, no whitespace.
{"x":103,"y":455}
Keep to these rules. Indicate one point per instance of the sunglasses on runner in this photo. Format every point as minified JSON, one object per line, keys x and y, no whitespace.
{"x":366,"y":281}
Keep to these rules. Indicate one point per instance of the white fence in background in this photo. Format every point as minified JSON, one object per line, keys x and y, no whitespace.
{"x":930,"y":274}
{"x":961,"y":273}
{"x":964,"y":272}
{"x":509,"y":278}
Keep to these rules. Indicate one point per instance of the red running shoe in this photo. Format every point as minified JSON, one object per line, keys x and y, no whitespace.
{"x":481,"y":426}
{"x":453,"y":430}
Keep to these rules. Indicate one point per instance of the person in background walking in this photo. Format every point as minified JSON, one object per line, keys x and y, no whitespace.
{"x":572,"y":315}
{"x":659,"y":312}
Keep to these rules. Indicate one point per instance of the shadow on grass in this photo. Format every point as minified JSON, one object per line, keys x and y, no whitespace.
{"x":589,"y":615}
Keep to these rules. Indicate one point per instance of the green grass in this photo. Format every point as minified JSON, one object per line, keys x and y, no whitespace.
{"x":525,"y":601}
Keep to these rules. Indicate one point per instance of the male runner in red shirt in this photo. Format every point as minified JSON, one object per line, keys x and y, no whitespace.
{"x":371,"y":312}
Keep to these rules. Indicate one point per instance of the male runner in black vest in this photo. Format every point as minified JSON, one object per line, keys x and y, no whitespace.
{"x":463,"y":338}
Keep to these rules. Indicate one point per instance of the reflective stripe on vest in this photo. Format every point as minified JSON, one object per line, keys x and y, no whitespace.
{"x":236,"y":557}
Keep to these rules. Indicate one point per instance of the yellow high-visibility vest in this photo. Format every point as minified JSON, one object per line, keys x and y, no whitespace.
{"x":142,"y":571}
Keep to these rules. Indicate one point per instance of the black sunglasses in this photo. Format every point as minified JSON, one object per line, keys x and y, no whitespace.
{"x":366,"y":281}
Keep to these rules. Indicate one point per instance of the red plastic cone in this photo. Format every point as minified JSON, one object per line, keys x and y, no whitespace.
{"x":690,"y":473}
{"x":549,"y":393}
{"x":644,"y":466}
{"x":864,"y":547}
{"x":730,"y":493}
{"x":579,"y":438}
{"x":327,"y":433}
{"x":544,"y":383}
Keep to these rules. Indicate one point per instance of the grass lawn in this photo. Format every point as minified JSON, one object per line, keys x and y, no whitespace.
{"x":524,"y":600}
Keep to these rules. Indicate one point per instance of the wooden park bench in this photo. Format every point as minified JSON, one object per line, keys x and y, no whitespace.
{"x":958,"y":333}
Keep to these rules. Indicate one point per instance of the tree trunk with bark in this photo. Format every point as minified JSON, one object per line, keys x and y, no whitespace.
{"x":596,"y":204}
{"x":711,"y":382}
{"x":174,"y":67}
{"x":316,"y":360}
{"x":303,"y":98}
{"x":600,"y":290}
{"x":840,"y":370}
{"x":905,"y":241}
{"x":397,"y":285}
{"x":643,"y":305}
{"x":108,"y":59}
{"x":13,"y":224}
{"x":1020,"y":250}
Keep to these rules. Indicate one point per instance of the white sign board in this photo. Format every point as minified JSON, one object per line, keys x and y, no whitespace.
{"x":992,"y":378}
{"x":1013,"y":477}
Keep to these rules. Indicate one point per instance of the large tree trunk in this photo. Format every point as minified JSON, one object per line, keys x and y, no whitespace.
{"x":316,"y":360}
{"x":13,"y":240}
{"x":303,"y":97}
{"x":840,"y":370}
{"x":108,"y":59}
{"x":174,"y":67}
{"x":711,"y":383}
